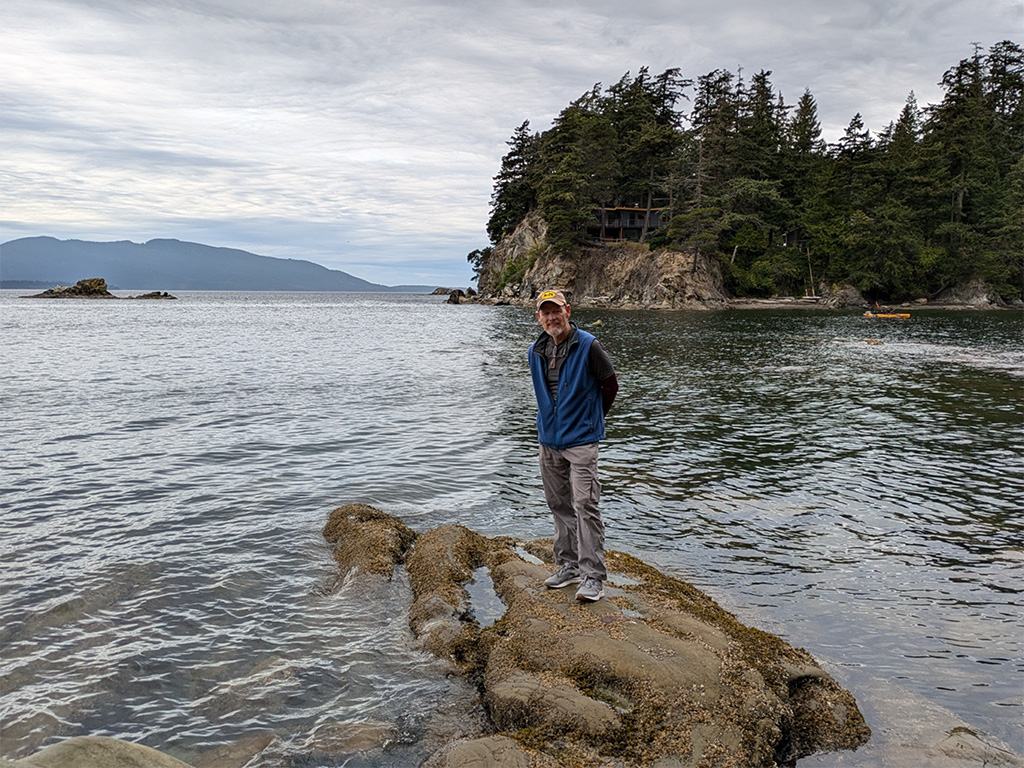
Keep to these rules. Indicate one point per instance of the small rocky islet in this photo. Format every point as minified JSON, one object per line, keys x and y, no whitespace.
{"x":92,"y":288}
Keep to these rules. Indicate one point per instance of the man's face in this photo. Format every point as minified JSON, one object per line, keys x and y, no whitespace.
{"x":554,"y":319}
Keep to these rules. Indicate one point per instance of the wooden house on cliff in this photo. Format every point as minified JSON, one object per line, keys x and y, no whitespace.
{"x":624,"y":223}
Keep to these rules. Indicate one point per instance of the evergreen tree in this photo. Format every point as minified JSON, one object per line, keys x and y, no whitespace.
{"x":477,"y":259}
{"x":642,"y":111}
{"x":852,"y":155}
{"x":753,"y":214}
{"x":959,"y":133}
{"x":803,"y":133}
{"x":1004,"y":90}
{"x":577,"y":167}
{"x":1008,"y":236}
{"x":971,"y":150}
{"x":1003,"y":86}
{"x":713,"y":119}
{"x":759,"y":129}
{"x":803,"y":171}
{"x":515,"y":192}
{"x":802,"y":158}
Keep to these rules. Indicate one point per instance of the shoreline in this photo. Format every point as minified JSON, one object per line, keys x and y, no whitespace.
{"x":814,"y":303}
{"x":782,"y":302}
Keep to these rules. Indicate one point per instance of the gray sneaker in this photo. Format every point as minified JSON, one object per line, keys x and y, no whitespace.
{"x":590,"y":590}
{"x":563,"y":577}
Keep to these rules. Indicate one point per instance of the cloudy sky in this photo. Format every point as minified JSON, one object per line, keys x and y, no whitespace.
{"x":364,"y":134}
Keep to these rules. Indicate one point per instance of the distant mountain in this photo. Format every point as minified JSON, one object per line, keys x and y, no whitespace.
{"x":169,"y":265}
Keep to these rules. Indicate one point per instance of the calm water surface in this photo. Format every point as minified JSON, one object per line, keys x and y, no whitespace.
{"x":168,"y":466}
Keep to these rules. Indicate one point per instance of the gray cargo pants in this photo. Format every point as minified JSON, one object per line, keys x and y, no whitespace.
{"x":572,"y":491}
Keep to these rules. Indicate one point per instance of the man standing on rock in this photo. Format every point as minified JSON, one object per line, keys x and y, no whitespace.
{"x":575,"y":386}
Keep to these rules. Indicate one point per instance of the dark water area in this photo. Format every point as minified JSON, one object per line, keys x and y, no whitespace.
{"x":168,"y":466}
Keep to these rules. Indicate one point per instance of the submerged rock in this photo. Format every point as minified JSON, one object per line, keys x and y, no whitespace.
{"x":657,"y":674}
{"x":234,"y":755}
{"x":344,"y":738}
{"x":97,"y":752}
{"x":485,"y":752}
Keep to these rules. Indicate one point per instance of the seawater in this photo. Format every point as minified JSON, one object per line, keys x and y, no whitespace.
{"x":168,"y":467}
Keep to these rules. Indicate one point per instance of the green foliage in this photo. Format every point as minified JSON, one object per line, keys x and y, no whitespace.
{"x":477,"y":259}
{"x":515,"y":193}
{"x":516,"y":270}
{"x":934,"y":199}
{"x":699,"y":228}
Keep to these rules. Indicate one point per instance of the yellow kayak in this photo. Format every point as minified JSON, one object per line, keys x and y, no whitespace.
{"x":884,"y":314}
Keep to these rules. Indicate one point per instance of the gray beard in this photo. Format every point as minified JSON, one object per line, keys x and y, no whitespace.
{"x":554,"y":333}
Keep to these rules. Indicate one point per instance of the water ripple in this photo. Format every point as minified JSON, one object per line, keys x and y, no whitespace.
{"x":165,"y":580}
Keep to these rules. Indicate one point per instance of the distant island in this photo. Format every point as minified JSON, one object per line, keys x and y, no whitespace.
{"x":170,"y":265}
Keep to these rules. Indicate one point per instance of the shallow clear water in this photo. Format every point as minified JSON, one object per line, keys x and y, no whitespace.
{"x":168,"y":466}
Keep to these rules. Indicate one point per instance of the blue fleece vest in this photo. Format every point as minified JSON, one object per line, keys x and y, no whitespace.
{"x":577,"y":417}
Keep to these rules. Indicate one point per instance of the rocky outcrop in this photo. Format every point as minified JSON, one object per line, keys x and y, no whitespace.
{"x":153,"y":295}
{"x":367,"y":540}
{"x":626,"y":275}
{"x":841,"y":297}
{"x":97,"y":752}
{"x":92,"y":288}
{"x":512,"y":255}
{"x":657,"y":674}
{"x":974,"y":293}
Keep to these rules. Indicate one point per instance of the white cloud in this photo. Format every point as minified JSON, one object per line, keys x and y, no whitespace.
{"x":364,"y":134}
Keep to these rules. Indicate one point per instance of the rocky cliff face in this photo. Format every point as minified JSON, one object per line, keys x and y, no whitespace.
{"x":624,"y":275}
{"x":634,"y":276}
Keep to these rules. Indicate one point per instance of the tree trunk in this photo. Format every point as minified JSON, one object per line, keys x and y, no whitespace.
{"x":647,"y":213}
{"x":810,"y":271}
{"x":700,"y":170}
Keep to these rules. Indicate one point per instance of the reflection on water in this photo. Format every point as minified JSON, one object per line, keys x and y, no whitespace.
{"x":170,"y":466}
{"x":858,"y":499}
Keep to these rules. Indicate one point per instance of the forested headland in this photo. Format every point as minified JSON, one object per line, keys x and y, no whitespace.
{"x":733,"y":173}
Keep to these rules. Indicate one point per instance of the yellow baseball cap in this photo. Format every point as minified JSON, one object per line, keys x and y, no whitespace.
{"x":553,"y":296}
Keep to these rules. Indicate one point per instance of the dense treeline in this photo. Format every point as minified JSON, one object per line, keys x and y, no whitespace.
{"x":933,"y":200}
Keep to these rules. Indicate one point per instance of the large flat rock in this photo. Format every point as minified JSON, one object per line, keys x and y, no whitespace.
{"x":656,"y":674}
